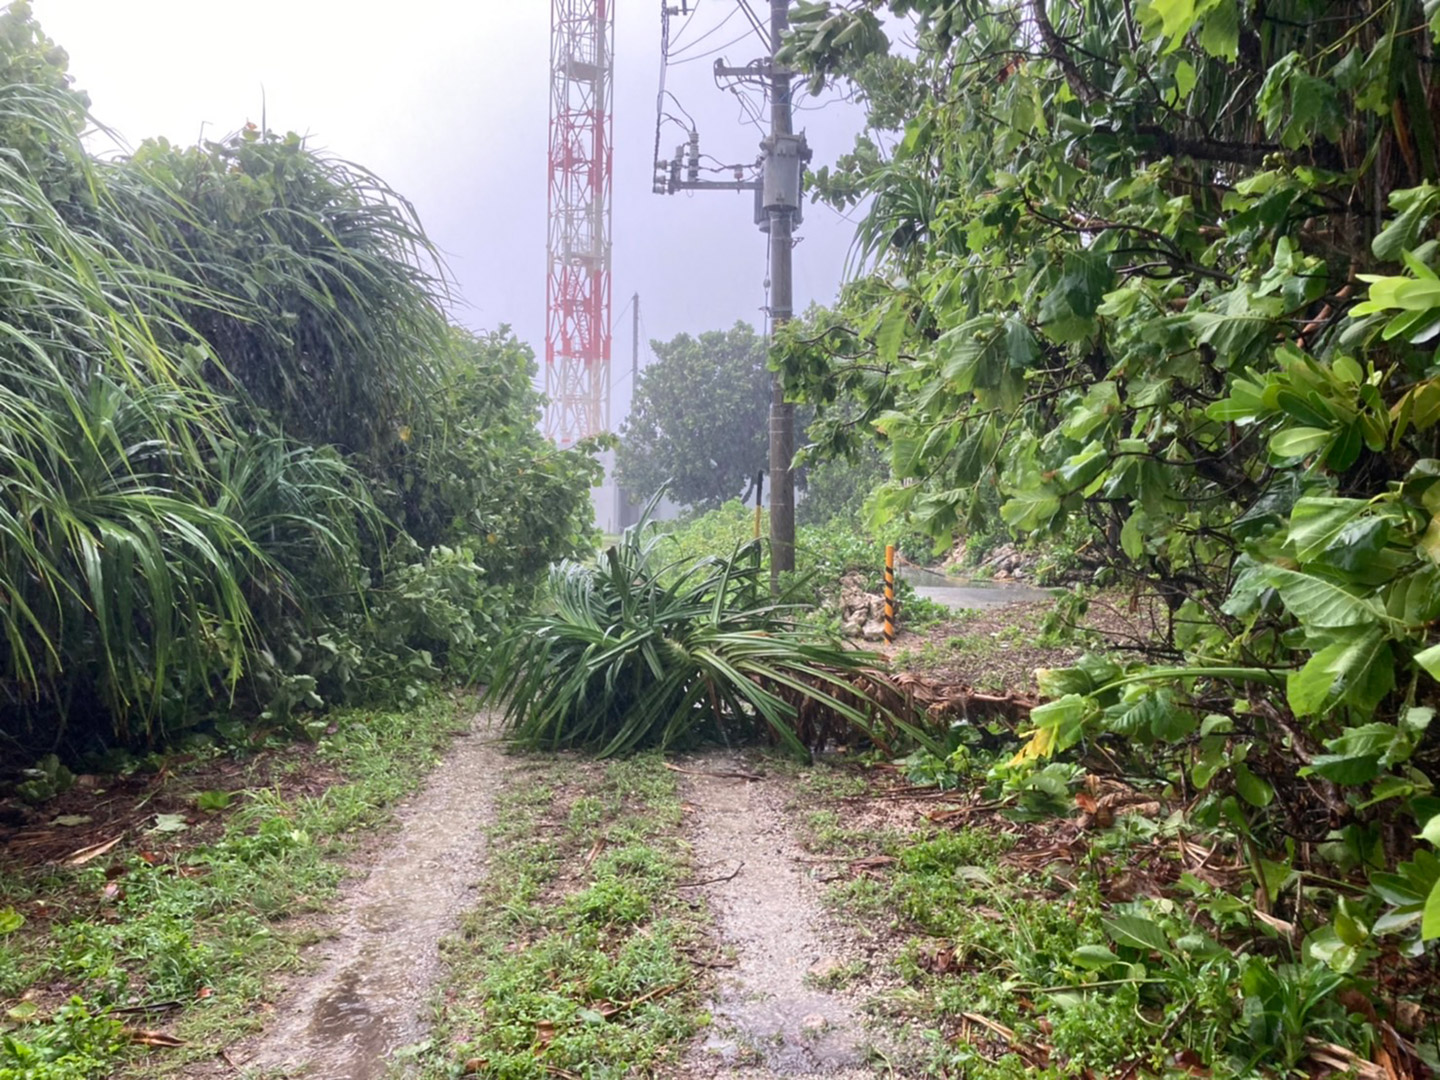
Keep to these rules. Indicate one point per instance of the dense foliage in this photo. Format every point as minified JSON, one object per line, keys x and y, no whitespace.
{"x":700,"y":422}
{"x":1168,"y":268}
{"x":248,"y":468}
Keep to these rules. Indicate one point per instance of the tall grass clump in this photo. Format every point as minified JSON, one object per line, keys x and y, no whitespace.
{"x":248,"y":470}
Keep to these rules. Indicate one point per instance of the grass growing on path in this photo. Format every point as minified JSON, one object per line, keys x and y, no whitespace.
{"x":168,"y":933}
{"x":581,"y":956}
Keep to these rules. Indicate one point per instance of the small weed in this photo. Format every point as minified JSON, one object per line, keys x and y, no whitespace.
{"x":837,"y":976}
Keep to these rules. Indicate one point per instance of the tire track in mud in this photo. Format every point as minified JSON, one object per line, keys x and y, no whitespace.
{"x":768,"y":1021}
{"x":370,"y":994}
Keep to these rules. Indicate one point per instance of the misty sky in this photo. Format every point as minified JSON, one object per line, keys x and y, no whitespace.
{"x":448,"y":102}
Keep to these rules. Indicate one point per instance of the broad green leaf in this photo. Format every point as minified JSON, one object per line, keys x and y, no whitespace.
{"x":1101,"y":402}
{"x":1415,"y":599}
{"x":1276,"y":876}
{"x":1430,"y":922}
{"x":973,"y":354}
{"x":1132,"y":539}
{"x":1220,"y":31}
{"x":1429,"y":659}
{"x":1355,"y":756}
{"x":1135,"y":932}
{"x":1031,"y":509}
{"x":1358,"y":669}
{"x":1211,"y":760}
{"x":1184,"y":79}
{"x":1431,"y":831}
{"x":1299,"y":441}
{"x":1170,"y":20}
{"x":1252,"y":789}
{"x":1061,"y":712}
{"x":1317,"y":602}
{"x":1315,"y":523}
{"x":10,"y":920}
{"x":1082,"y":470}
{"x":891,"y":332}
{"x":1403,"y":230}
{"x":1093,"y":957}
{"x":1059,"y":682}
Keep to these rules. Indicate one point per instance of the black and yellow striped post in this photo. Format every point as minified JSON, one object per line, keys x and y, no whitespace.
{"x":759,"y":495}
{"x":889,"y":594}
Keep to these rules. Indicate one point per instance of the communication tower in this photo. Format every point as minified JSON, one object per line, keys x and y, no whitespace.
{"x":577,"y":327}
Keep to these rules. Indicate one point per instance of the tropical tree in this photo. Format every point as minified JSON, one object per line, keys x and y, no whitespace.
{"x":1170,"y":269}
{"x":700,"y":421}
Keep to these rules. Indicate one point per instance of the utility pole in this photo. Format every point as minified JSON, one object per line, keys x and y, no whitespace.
{"x":782,"y":414}
{"x":777,"y":212}
{"x":627,"y":506}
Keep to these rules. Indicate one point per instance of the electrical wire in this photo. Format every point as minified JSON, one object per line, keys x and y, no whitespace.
{"x":713,"y":52}
{"x":683,"y":127}
{"x":713,"y":30}
{"x":748,"y":112}
{"x":755,"y":22}
{"x":690,"y":21}
{"x":614,"y":322}
{"x":688,"y":117}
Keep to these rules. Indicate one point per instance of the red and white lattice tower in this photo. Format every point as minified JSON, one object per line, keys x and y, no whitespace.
{"x":577,"y":328}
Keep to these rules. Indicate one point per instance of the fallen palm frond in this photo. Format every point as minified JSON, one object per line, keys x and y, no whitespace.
{"x":635,"y":653}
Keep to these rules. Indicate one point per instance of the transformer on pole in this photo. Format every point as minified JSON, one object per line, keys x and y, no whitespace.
{"x":577,"y":326}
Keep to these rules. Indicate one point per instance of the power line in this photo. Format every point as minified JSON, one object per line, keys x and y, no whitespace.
{"x":690,"y":21}
{"x":682,"y":108}
{"x":713,"y":52}
{"x":755,"y":22}
{"x":713,"y":30}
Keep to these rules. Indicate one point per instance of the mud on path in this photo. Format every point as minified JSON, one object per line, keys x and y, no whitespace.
{"x":770,"y":1019}
{"x":367,"y":997}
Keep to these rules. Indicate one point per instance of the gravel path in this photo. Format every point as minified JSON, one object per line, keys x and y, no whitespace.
{"x":768,"y":1019}
{"x":369,"y":994}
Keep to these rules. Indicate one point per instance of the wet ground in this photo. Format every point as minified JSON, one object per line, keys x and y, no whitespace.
{"x":961,"y":595}
{"x":367,"y":997}
{"x":770,"y":1019}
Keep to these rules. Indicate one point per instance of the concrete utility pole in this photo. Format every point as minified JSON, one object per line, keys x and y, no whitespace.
{"x":627,"y":509}
{"x":782,"y":414}
{"x":777,"y":211}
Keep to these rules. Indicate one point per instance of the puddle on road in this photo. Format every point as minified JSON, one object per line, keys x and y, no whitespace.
{"x":960,"y":594}
{"x":368,"y":997}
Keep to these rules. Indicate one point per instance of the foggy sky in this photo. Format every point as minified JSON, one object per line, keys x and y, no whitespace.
{"x":448,"y":102}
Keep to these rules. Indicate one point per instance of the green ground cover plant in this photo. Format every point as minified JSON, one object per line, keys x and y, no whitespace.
{"x":824,"y":553}
{"x":1021,"y":952}
{"x":582,"y":957}
{"x":194,"y":928}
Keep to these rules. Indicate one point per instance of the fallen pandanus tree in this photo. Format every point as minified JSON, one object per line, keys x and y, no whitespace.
{"x":632,"y":652}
